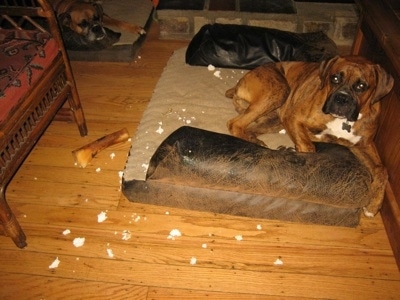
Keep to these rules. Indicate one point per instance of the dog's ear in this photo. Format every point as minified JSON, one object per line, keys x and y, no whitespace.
{"x":384,"y":84}
{"x":64,"y":19}
{"x":324,"y":70}
{"x":99,"y":9}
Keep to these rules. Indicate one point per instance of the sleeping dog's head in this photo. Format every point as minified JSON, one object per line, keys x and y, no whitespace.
{"x":84,"y":18}
{"x":353,"y":82}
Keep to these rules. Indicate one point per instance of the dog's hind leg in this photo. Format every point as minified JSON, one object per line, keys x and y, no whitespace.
{"x":240,"y":104}
{"x":263,"y":90}
{"x":257,"y":118}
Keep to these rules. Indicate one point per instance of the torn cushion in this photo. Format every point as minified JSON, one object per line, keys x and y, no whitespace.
{"x":198,"y":169}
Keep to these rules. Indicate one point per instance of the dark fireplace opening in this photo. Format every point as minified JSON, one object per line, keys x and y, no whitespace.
{"x":259,"y":6}
{"x":181,"y":4}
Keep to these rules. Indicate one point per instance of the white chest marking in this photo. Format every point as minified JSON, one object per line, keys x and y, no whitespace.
{"x":336,"y":128}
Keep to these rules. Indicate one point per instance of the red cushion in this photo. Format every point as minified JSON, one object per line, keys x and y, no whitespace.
{"x":24,"y":56}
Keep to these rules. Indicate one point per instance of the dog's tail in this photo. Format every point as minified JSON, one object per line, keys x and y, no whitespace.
{"x":230,"y":93}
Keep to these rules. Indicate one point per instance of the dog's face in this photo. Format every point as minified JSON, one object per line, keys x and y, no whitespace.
{"x":352,"y":83}
{"x":85,"y":19}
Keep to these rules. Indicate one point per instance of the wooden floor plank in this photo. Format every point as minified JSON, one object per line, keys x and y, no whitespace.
{"x":90,"y":175}
{"x":20,"y":286}
{"x":197,"y":277}
{"x":370,"y":236}
{"x":150,"y":244}
{"x":61,"y":194}
{"x":174,"y":293}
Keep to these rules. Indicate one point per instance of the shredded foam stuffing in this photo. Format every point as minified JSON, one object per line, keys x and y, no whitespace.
{"x":126,"y":235}
{"x":78,"y":242}
{"x":239,"y":237}
{"x":145,"y":167}
{"x":110,"y":253}
{"x":160,"y":130}
{"x":174,"y":233}
{"x":101,"y":217}
{"x":193,"y":260}
{"x":54,"y":264}
{"x":217,"y":74}
{"x":278,"y":262}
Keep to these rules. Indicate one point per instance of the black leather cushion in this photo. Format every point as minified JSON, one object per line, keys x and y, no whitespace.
{"x":246,"y":47}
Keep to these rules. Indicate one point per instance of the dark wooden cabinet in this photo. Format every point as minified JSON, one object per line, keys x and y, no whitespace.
{"x":378,"y":38}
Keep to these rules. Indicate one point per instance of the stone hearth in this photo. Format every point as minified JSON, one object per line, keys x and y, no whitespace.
{"x":181,"y":19}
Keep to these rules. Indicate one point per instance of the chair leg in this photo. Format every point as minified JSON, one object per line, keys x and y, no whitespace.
{"x":77,"y":112}
{"x":10,"y":223}
{"x":73,"y":97}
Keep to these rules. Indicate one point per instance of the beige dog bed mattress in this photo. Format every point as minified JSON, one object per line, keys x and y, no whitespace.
{"x":183,"y":156}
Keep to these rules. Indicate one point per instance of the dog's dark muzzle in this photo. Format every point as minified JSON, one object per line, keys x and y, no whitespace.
{"x":342,"y":104}
{"x":97,"y":32}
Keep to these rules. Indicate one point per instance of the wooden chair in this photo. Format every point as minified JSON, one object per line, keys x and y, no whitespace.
{"x":29,"y":101}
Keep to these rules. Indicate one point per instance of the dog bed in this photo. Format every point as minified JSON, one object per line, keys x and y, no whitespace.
{"x":182,"y":155}
{"x":121,"y":46}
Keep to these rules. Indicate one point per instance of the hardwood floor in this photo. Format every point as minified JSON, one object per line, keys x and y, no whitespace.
{"x":50,"y":194}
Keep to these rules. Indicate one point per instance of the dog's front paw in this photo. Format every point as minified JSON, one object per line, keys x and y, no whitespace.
{"x":367,"y":213}
{"x":372,"y":208}
{"x":142,"y":31}
{"x":252,"y":138}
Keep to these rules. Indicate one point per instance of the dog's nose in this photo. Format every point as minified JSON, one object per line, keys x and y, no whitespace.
{"x":342,"y":98}
{"x":98,"y":31}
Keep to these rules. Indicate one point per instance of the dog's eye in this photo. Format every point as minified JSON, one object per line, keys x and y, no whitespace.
{"x":84,"y":24}
{"x":336,"y":78}
{"x":360,"y":86}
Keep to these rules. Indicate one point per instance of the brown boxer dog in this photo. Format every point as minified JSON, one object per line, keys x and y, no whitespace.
{"x":336,"y":101}
{"x":87,"y":18}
